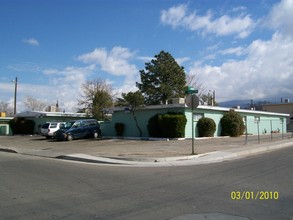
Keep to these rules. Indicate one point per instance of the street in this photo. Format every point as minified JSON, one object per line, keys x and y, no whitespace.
{"x":42,"y":188}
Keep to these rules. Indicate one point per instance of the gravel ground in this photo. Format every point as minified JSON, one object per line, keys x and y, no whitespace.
{"x":38,"y":145}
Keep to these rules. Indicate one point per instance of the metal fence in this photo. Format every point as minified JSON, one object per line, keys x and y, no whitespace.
{"x":260,"y":129}
{"x":260,"y":138}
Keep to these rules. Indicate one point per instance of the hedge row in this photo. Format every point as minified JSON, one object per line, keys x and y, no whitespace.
{"x":173,"y":125}
{"x":170,"y":125}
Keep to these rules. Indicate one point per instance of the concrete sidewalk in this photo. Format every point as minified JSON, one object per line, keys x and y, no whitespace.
{"x":146,"y":153}
{"x":205,"y":158}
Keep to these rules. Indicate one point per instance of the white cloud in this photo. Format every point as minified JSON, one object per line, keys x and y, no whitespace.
{"x":265,"y":72}
{"x":125,"y":88}
{"x":178,"y":16}
{"x":6,"y":88}
{"x":281,"y":17}
{"x":238,"y":51}
{"x":266,"y":69}
{"x":65,"y":84}
{"x":181,"y":60}
{"x":31,"y":41}
{"x":115,"y":62}
{"x":25,"y":67}
{"x":145,"y":59}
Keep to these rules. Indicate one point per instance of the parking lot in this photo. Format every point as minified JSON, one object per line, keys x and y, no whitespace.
{"x":38,"y":145}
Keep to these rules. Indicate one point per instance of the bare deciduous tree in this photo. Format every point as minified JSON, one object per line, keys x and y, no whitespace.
{"x":205,"y":96}
{"x":97,"y":95}
{"x":193,"y":80}
{"x":34,"y":104}
{"x":4,"y":107}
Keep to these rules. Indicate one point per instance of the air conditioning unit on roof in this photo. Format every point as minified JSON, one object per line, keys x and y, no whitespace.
{"x":178,"y":100}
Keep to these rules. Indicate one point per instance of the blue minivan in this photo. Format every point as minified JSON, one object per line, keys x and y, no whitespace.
{"x":78,"y":129}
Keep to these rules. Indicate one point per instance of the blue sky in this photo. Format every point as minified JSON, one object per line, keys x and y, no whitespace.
{"x":240,"y":49}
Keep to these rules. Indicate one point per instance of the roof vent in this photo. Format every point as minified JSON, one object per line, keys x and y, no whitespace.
{"x":178,"y":101}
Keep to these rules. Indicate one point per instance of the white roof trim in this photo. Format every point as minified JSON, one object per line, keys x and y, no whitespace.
{"x":241,"y":110}
{"x":6,"y":118}
{"x":42,"y":114}
{"x":152,"y":107}
{"x":207,"y":107}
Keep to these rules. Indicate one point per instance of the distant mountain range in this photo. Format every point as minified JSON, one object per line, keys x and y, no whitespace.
{"x":247,"y":103}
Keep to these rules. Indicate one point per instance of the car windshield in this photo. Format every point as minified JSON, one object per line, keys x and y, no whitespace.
{"x":53,"y":125}
{"x":67,"y":125}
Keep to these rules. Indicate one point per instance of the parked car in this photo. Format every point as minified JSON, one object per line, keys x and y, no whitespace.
{"x":79,"y":129}
{"x":49,"y":128}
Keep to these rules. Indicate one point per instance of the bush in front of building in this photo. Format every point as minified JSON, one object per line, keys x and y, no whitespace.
{"x":154,"y":127}
{"x":119,"y":128}
{"x":232,"y":124}
{"x":22,"y":126}
{"x":170,"y":125}
{"x":206,"y":127}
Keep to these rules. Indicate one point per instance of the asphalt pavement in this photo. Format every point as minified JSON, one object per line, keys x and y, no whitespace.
{"x":34,"y":188}
{"x":158,"y":152}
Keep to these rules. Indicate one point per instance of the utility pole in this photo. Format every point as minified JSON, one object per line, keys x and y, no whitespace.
{"x":15,"y":92}
{"x":213,"y":97}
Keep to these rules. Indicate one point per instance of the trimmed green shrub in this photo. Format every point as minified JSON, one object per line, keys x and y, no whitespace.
{"x":235,"y":128}
{"x":119,"y":128}
{"x":170,"y":125}
{"x":154,"y":127}
{"x":206,"y":127}
{"x":232,"y":124}
{"x":22,"y":126}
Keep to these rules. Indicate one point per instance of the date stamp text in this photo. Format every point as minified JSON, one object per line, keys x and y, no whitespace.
{"x":257,"y":195}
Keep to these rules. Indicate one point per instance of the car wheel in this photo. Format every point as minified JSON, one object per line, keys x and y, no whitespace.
{"x":69,"y":137}
{"x":96,"y":135}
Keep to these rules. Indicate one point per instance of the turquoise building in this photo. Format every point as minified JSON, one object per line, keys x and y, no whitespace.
{"x":41,"y":117}
{"x":4,"y":126}
{"x":256,"y":121}
{"x":261,"y":122}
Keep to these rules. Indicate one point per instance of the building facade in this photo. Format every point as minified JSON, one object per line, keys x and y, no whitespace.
{"x":255,"y":121}
{"x":4,"y":125}
{"x":261,"y":122}
{"x":286,"y":108}
{"x":40,"y":117}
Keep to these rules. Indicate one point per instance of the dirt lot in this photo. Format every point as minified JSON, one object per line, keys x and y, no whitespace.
{"x":38,"y":145}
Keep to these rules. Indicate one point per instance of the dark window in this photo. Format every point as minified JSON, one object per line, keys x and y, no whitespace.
{"x":46,"y":126}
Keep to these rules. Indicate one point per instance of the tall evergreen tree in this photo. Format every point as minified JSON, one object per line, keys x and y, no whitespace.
{"x":162,"y":79}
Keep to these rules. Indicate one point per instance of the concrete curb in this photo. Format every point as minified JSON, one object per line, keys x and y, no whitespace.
{"x":212,"y":157}
{"x":138,"y":138}
{"x":89,"y":159}
{"x":205,"y":158}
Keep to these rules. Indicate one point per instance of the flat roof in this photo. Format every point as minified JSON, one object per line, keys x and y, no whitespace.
{"x":280,"y":104}
{"x":50,"y":114}
{"x":6,"y":118}
{"x":206,"y":107}
{"x":241,"y":110}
